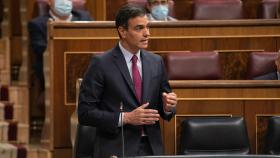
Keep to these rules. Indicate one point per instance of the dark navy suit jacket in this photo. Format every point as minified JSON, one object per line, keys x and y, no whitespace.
{"x":106,"y":84}
{"x":269,"y":76}
{"x":37,"y":29}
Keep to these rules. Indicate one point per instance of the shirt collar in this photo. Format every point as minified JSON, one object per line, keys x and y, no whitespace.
{"x":128,"y":55}
{"x":55,"y":18}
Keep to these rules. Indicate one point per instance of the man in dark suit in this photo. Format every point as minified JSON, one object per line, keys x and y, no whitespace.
{"x":131,"y":79}
{"x":272,"y":75}
{"x":60,"y":10}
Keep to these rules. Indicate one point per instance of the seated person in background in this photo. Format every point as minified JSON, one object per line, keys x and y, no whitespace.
{"x":158,"y":10}
{"x":272,"y":75}
{"x":60,"y":10}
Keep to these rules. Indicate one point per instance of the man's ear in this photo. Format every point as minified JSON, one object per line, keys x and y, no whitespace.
{"x":122,"y":31}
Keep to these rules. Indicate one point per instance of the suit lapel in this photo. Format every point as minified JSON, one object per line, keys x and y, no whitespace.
{"x":121,"y":64}
{"x":146,"y":76}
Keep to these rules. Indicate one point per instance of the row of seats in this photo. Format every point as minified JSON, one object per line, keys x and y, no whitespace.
{"x":225,"y":135}
{"x":206,"y":65}
{"x":200,"y":136}
{"x":202,"y":9}
{"x":222,"y":9}
{"x":232,"y":9}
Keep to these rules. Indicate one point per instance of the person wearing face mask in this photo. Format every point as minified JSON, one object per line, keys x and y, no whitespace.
{"x":159,"y":10}
{"x":60,"y":10}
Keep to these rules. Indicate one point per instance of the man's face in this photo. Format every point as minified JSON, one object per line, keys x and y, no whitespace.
{"x":136,"y":35}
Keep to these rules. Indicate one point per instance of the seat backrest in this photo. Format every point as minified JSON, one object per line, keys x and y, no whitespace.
{"x":217,"y":9}
{"x":193,"y":66}
{"x":260,"y":63}
{"x":82,"y":137}
{"x":268,"y":9}
{"x":84,"y":144}
{"x":272,"y":142}
{"x":214,"y":135}
{"x":40,"y":8}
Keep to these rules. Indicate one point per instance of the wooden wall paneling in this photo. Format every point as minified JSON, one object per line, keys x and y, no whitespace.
{"x":31,"y":9}
{"x":261,"y":129}
{"x":183,"y":9}
{"x":112,"y":7}
{"x":254,"y":108}
{"x":172,"y":44}
{"x":234,"y":64}
{"x":265,"y":43}
{"x":16,"y":50}
{"x":61,"y":136}
{"x":221,"y":91}
{"x":15,"y":32}
{"x":97,"y":9}
{"x":63,"y":153}
{"x":250,"y":8}
{"x":229,"y":44}
{"x":73,"y":69}
{"x":277,"y":44}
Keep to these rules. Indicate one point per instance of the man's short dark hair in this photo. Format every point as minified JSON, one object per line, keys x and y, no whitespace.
{"x":127,"y":12}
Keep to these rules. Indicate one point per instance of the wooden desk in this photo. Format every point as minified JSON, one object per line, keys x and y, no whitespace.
{"x":72,"y":44}
{"x":254,"y":100}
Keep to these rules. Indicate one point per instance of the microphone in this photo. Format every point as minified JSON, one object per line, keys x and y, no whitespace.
{"x":121,"y":109}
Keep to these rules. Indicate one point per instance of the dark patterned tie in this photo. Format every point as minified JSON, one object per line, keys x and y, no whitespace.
{"x":136,"y":78}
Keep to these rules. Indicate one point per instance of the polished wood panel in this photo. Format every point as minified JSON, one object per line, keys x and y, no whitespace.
{"x":232,"y":39}
{"x":15,"y":32}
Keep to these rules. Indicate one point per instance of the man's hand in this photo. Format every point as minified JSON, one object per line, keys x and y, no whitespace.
{"x":169,"y":101}
{"x":141,"y":116}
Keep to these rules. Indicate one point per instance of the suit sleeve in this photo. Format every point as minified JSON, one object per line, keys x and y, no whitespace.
{"x":165,"y":87}
{"x":90,"y":110}
{"x":38,"y":40}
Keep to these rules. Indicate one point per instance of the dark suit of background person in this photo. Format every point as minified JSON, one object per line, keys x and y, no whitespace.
{"x":37,"y":29}
{"x":269,"y":76}
{"x":272,"y":75}
{"x":108,"y":83}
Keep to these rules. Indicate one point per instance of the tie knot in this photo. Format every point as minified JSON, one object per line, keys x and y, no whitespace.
{"x":134,"y":59}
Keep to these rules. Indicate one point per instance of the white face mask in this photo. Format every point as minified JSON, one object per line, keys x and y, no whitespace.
{"x":63,"y":7}
{"x":160,"y":12}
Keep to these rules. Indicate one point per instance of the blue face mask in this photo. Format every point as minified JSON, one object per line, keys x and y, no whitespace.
{"x":62,"y":7}
{"x":160,"y":12}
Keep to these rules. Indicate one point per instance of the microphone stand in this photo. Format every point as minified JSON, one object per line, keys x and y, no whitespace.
{"x":121,"y":109}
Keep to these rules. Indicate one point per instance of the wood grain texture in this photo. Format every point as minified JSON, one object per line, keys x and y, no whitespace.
{"x":69,"y":44}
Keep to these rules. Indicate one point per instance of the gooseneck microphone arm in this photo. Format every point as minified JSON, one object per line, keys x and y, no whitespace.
{"x":122,"y":124}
